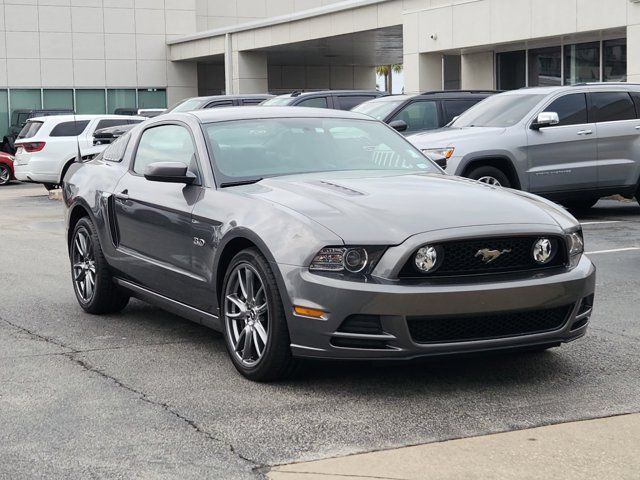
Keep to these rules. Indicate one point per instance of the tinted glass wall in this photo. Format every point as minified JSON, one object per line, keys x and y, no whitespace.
{"x":563,"y":65}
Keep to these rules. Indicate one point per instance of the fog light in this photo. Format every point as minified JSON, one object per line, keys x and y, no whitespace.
{"x":544,"y":250}
{"x":427,"y":259}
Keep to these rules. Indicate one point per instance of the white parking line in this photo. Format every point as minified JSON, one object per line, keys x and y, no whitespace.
{"x":614,"y":250}
{"x":601,"y":222}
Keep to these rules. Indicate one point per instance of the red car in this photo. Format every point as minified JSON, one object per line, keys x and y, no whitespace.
{"x":6,"y":168}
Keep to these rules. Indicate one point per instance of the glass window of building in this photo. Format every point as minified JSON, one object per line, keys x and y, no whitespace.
{"x":614,"y":58}
{"x":121,"y":98}
{"x":152,"y":98}
{"x":90,"y":102}
{"x":582,"y":63}
{"x":545,"y":67}
{"x":511,"y":70}
{"x":58,"y":99}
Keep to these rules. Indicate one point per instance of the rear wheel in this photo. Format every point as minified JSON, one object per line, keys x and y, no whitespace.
{"x":5,"y":174}
{"x":92,"y":282}
{"x":255,"y":325}
{"x":490,"y":175}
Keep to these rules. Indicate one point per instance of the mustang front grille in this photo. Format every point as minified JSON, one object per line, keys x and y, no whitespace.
{"x":465,"y":257}
{"x":486,"y":326}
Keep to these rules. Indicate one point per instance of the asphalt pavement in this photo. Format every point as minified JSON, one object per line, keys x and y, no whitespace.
{"x":146,"y":394}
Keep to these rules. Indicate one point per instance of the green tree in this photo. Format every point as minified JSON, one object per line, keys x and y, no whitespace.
{"x":387,"y":72}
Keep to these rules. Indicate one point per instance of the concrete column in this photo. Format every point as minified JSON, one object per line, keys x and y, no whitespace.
{"x":633,"y":53}
{"x":422,"y":72}
{"x":364,"y":78}
{"x":477,"y":71}
{"x":249,"y":72}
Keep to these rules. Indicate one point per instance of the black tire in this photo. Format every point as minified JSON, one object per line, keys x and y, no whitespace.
{"x":580,"y":203}
{"x":489,"y":172}
{"x":276,"y":361}
{"x":5,"y":174}
{"x":105,"y":296}
{"x":50,"y":186}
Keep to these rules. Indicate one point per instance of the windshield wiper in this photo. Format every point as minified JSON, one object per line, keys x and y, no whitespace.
{"x":240,"y":182}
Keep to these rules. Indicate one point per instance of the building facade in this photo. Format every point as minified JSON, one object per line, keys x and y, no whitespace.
{"x":98,"y":55}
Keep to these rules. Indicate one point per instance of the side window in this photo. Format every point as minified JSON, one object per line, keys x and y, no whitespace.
{"x":347,"y":102}
{"x":571,"y":109}
{"x":317,"y":102}
{"x":253,"y":101}
{"x":115,"y":151}
{"x":453,"y":108}
{"x":226,"y":103}
{"x":612,"y":106}
{"x":419,"y":116}
{"x":636,"y":100}
{"x":69,"y":129}
{"x":111,"y":123}
{"x":166,"y":143}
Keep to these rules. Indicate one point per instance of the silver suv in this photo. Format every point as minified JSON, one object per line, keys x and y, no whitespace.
{"x":572,"y":144}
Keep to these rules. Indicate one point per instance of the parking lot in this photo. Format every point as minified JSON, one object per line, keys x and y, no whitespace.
{"x":145,"y":394}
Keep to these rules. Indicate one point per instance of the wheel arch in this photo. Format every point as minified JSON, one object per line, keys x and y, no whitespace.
{"x":78,"y":211}
{"x":501,"y":162}
{"x":65,"y":167}
{"x":232,"y":244}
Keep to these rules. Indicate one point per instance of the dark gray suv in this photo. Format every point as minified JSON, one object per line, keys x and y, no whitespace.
{"x":573,"y":144}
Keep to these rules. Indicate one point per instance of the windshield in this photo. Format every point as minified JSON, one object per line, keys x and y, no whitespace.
{"x":498,"y":111}
{"x":187,"y":105}
{"x":253,"y":149}
{"x":378,"y":109}
{"x":281,"y":100}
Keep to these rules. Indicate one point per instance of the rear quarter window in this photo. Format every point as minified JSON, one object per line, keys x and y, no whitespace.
{"x":30,"y":129}
{"x":69,"y":129}
{"x":115,"y":151}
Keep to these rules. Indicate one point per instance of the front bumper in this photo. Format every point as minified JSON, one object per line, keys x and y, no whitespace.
{"x":393,"y":303}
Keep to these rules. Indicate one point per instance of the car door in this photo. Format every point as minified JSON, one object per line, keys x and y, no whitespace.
{"x":314,"y":102}
{"x":563,"y":156}
{"x":419,"y":115}
{"x":618,"y":138}
{"x":154,"y":218}
{"x":455,"y":107}
{"x":347,"y":102}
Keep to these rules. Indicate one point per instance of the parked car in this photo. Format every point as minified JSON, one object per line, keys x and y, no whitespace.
{"x":573,"y":144}
{"x":19,"y":118}
{"x":106,"y":136}
{"x":46,"y":146}
{"x":219,"y":101}
{"x":417,"y":113}
{"x":139,"y":112}
{"x":300,"y":232}
{"x":6,"y":168}
{"x":336,"y":99}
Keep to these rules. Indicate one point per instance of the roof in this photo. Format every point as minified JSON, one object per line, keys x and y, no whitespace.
{"x":250,"y":113}
{"x":566,"y":88}
{"x":79,"y":118}
{"x":332,"y":92}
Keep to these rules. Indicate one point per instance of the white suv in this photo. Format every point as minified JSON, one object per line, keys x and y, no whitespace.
{"x":46,"y":146}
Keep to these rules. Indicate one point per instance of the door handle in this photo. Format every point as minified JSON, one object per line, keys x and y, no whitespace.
{"x":123,"y":195}
{"x":637,"y":127}
{"x":585,"y":132}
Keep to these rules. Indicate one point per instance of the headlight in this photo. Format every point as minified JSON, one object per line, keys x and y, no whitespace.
{"x":346,"y":259}
{"x":445,"y":152}
{"x":575,"y":243}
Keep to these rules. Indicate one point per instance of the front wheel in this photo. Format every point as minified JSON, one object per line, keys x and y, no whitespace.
{"x":255,"y":325}
{"x":92,"y":281}
{"x":5,"y":174}
{"x":490,"y":175}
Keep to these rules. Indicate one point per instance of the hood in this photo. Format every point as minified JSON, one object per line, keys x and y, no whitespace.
{"x":385,"y":208}
{"x":450,"y":137}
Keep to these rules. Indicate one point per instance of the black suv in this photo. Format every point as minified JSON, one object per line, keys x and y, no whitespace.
{"x":218,"y":101}
{"x":19,"y":118}
{"x":426,"y":111}
{"x":336,"y":99}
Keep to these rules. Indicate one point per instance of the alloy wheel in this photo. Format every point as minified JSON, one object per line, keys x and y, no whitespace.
{"x":490,"y":181}
{"x":84,"y":265}
{"x":246,"y":312}
{"x":5,"y":175}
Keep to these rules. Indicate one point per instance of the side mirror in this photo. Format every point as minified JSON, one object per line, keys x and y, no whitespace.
{"x":399,"y":125}
{"x":545,"y":119}
{"x":169,"y":172}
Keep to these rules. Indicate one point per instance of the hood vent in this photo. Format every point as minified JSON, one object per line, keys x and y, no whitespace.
{"x":338,"y":188}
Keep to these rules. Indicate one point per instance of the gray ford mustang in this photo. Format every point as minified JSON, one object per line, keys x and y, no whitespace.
{"x":319,"y":233}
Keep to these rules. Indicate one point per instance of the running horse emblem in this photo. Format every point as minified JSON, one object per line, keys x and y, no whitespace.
{"x":489,"y":256}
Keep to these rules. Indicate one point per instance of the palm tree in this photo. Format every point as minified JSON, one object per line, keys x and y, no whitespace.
{"x":387,"y":72}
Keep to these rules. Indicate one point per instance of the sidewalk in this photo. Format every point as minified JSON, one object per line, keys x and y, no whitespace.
{"x":607,"y":448}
